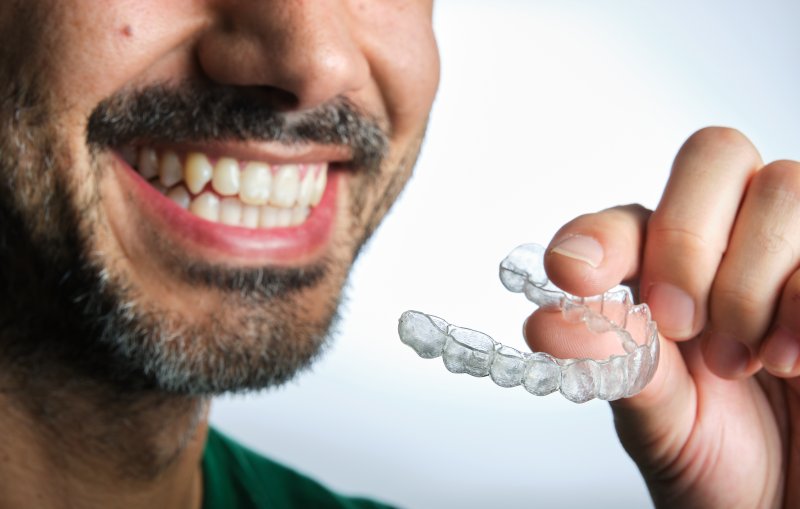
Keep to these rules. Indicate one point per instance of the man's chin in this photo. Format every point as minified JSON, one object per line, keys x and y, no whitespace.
{"x":94,"y":264}
{"x":208,"y":329}
{"x":75,"y":311}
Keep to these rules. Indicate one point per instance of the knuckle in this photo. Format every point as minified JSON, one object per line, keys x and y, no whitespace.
{"x":725,"y":140}
{"x":777,"y":191}
{"x":772,"y":241}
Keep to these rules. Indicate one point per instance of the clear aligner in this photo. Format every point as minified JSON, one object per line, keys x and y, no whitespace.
{"x":579,"y":380}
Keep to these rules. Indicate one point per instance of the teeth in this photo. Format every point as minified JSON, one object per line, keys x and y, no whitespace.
{"x":256,"y":180}
{"x":285,"y":186}
{"x":299,"y":215}
{"x":226,"y":177}
{"x":319,"y":186}
{"x":268,"y":217}
{"x":148,"y":163}
{"x":230,"y":211}
{"x":284,"y":218}
{"x":250,"y":214}
{"x":180,"y":196}
{"x":206,"y":206}
{"x":306,"y":191}
{"x":252,"y":195}
{"x":198,"y":172}
{"x":170,"y":171}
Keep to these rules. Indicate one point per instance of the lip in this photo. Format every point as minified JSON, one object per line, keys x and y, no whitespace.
{"x":269,"y":152}
{"x":216,"y":242}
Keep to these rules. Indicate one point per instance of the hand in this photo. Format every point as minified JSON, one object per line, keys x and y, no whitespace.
{"x":717,"y":262}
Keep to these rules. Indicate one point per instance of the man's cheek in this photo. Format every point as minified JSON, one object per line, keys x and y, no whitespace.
{"x":99,"y":48}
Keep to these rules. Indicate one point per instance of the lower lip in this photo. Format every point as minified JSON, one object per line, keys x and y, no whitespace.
{"x":290,"y":246}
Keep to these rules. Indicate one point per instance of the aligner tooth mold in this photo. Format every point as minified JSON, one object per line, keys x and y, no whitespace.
{"x":579,"y":380}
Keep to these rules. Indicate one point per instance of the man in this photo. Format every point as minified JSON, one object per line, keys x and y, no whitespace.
{"x":186,"y":185}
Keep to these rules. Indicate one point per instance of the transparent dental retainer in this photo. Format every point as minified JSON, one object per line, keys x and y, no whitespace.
{"x":580,"y":379}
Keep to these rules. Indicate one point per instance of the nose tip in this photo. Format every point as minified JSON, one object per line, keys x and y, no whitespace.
{"x":327,"y":75}
{"x":301,"y":59}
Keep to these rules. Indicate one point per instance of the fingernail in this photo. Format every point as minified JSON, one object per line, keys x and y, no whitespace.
{"x":673,"y":310}
{"x":726,"y":356}
{"x":781,"y":351}
{"x":581,"y":248}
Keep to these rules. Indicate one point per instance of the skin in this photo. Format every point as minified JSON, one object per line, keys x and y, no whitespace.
{"x":711,"y":430}
{"x":66,"y":445}
{"x":719,"y":424}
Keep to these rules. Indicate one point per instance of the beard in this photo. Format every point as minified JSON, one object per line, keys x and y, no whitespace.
{"x":72,"y":311}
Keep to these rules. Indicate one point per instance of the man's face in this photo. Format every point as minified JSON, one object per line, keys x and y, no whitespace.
{"x":187,"y":183}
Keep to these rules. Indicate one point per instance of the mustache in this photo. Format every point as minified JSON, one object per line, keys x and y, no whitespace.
{"x":191,"y":112}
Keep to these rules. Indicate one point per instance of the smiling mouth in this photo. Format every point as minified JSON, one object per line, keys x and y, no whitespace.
{"x":235,"y":192}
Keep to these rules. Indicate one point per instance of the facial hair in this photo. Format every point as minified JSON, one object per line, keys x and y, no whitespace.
{"x":70,"y":310}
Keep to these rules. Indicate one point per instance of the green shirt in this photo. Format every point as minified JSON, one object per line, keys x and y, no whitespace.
{"x":235,"y":477}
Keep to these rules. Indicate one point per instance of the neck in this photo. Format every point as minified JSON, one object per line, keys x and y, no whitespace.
{"x":69,"y":442}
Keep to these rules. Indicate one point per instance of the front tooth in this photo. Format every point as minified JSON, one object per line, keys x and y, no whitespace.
{"x":206,"y":206}
{"x":180,"y":196}
{"x":285,"y":186}
{"x":268,"y":217}
{"x":250,"y":215}
{"x":284,"y":218}
{"x":230,"y":211}
{"x":226,"y":177}
{"x":306,"y":191}
{"x":256,"y":180}
{"x":198,"y":172}
{"x":299,"y":215}
{"x":319,"y":185}
{"x":148,"y":163}
{"x":169,"y":169}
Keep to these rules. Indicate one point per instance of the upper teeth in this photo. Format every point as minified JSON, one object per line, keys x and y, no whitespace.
{"x":248,"y":193}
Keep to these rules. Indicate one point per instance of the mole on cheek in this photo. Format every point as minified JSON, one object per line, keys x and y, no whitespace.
{"x":126,"y":31}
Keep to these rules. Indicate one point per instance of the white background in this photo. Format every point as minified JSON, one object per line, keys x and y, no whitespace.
{"x":547,"y":109}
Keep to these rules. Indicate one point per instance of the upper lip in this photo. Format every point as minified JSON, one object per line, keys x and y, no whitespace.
{"x":270,"y":152}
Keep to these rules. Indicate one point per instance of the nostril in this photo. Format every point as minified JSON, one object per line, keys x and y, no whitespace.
{"x":279,"y":99}
{"x":271,"y":97}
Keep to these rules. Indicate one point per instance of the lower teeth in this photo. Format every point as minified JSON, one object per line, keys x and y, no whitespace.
{"x":232,"y":211}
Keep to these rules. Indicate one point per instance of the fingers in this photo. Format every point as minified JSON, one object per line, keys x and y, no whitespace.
{"x":689,"y":231}
{"x":762,"y":255}
{"x":546,"y":330}
{"x":595,"y":252}
{"x":780,"y":351}
{"x":662,"y":413}
{"x":720,"y":254}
